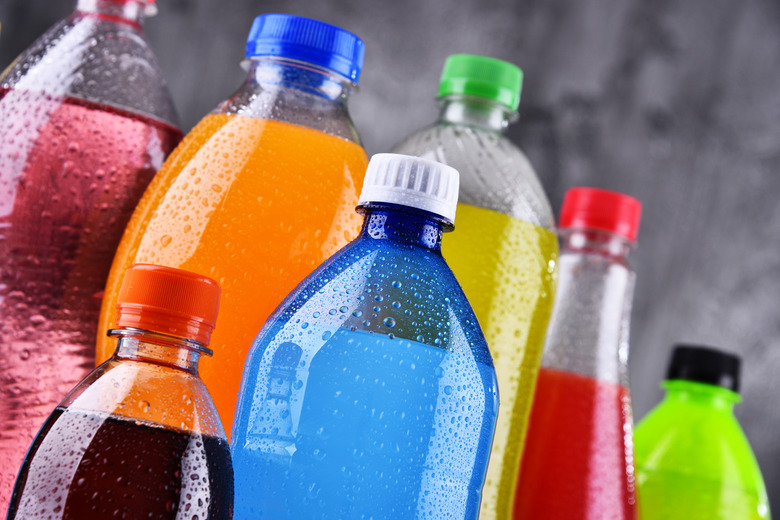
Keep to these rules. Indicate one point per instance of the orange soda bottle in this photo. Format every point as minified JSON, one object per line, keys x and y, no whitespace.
{"x":260,"y":192}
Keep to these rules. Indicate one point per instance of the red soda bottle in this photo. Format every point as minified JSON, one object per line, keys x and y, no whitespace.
{"x":578,"y":455}
{"x":139,"y":437}
{"x":85,"y":122}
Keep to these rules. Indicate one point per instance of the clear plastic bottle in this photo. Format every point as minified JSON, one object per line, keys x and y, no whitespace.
{"x":85,"y":122}
{"x":261,"y":191}
{"x":139,"y":437}
{"x":693,"y":460}
{"x":370,"y":392}
{"x":505,"y":250}
{"x":578,"y":455}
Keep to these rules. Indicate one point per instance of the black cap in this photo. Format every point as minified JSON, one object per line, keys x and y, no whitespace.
{"x":705,"y":365}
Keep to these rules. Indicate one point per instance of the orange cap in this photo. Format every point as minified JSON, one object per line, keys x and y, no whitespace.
{"x":168,"y":301}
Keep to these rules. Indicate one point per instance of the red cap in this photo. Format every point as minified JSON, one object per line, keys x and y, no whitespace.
{"x":594,"y":208}
{"x":168,"y":301}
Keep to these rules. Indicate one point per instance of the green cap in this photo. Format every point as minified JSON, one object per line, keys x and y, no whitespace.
{"x":482,"y":77}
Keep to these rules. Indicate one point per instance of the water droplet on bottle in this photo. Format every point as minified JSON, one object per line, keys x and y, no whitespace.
{"x":390,"y":322}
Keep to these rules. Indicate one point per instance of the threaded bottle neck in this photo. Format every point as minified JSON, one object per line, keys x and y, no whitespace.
{"x":130,"y":12}
{"x":475,"y":112}
{"x":160,"y":349}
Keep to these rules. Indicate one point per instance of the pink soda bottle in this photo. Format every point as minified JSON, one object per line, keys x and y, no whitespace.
{"x":85,"y":122}
{"x":578,"y":457}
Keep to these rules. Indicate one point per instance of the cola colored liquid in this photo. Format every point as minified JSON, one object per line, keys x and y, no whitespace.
{"x":97,"y":466}
{"x":578,"y":457}
{"x":71,"y":173}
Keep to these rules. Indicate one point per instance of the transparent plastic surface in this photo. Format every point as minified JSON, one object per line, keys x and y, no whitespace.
{"x":294,"y":92}
{"x":504,"y":255}
{"x":85,"y":122}
{"x":494,"y":173}
{"x":370,"y":392}
{"x":589,"y":328}
{"x":97,"y":54}
{"x":274,"y":174}
{"x":693,"y":459}
{"x":139,"y":437}
{"x":579,"y":442}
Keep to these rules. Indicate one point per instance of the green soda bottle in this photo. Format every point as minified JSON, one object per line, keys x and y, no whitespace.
{"x":693,"y":459}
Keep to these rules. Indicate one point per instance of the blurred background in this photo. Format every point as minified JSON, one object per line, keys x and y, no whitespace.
{"x":674,"y":102}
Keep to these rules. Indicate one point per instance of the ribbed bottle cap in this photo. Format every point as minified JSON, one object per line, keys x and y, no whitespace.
{"x":168,"y":301}
{"x":307,"y":40}
{"x":604,"y":210}
{"x":705,"y":365}
{"x":412,"y":181}
{"x":482,"y":77}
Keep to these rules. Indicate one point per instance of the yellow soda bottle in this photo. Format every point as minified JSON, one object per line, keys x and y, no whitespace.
{"x":505,"y":251}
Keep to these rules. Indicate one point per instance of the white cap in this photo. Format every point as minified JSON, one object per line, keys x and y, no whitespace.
{"x":412,"y":181}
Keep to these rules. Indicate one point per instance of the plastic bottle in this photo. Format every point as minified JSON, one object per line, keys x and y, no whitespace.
{"x":505,"y":250}
{"x":693,"y":460}
{"x":139,"y":437}
{"x":578,"y":456}
{"x":261,"y":191}
{"x":370,"y":392}
{"x":85,"y":122}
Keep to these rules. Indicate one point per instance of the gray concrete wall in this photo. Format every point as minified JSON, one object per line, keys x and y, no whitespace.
{"x":674,"y":102}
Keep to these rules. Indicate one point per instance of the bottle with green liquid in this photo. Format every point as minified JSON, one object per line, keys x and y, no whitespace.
{"x":506,"y":250}
{"x":693,"y":459}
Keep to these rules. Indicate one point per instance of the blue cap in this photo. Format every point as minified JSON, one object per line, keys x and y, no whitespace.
{"x":306,"y":40}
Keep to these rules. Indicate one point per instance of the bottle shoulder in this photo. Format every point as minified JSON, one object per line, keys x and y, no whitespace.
{"x":95,"y":60}
{"x":494,"y":173}
{"x":298,"y":106}
{"x":147,"y":392}
{"x":385,"y":288}
{"x":695,"y":440}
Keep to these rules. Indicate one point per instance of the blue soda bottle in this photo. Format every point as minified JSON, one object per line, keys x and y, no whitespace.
{"x":370,"y":391}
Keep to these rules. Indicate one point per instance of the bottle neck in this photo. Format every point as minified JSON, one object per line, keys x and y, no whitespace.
{"x":589,"y":326}
{"x":130,"y":12}
{"x":595,"y":242}
{"x":700,"y":394}
{"x":269,"y":71}
{"x":475,"y":112}
{"x":160,"y":349}
{"x":294,"y":92}
{"x":404,"y":225}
